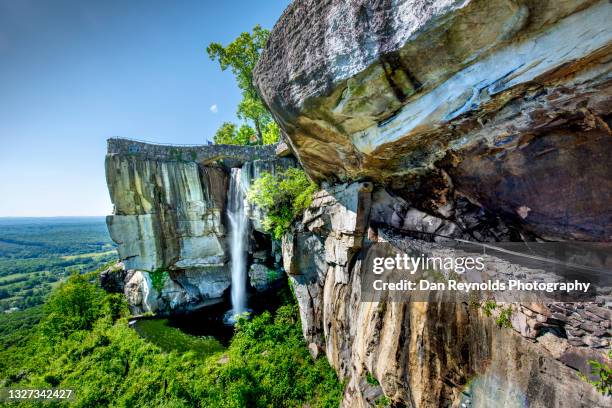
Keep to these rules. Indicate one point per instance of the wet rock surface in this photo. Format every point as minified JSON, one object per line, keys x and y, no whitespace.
{"x":170,"y":224}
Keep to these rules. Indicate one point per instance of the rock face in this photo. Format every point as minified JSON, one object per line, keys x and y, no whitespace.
{"x":436,"y":121}
{"x":428,"y":353}
{"x":482,"y":98}
{"x":169,"y":220}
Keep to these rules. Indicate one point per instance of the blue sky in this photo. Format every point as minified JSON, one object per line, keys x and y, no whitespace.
{"x":73,"y":73}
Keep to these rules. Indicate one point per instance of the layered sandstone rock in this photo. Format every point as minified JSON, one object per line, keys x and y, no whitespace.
{"x":169,"y":220}
{"x":430,"y":353}
{"x":483,"y":98}
{"x":430,"y":122}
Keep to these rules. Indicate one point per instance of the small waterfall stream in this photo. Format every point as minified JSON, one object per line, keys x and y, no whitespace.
{"x":238,"y":244}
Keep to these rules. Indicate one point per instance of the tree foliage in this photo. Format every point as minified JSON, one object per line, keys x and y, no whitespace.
{"x":240,"y":56}
{"x":228,"y":133}
{"x":95,"y":353}
{"x":601,"y":376}
{"x":76,"y":305}
{"x":283,"y":196}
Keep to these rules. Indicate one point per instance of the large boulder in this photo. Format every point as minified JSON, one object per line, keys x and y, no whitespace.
{"x":432,"y":121}
{"x":504,"y":102}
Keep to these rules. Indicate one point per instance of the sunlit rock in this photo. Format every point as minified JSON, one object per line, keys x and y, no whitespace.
{"x":503,"y":102}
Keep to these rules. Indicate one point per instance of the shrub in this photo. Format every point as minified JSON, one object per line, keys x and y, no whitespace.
{"x":73,"y":305}
{"x":383,"y":402}
{"x":158,"y":278}
{"x":283,"y":197}
{"x":503,"y":320}
{"x":488,"y":307}
{"x":372,"y":380}
{"x":603,"y":376}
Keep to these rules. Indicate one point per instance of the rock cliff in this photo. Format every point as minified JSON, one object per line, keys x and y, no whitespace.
{"x":430,"y":352}
{"x":436,"y":121}
{"x":427,"y":123}
{"x":483,"y":98}
{"x":169,"y":220}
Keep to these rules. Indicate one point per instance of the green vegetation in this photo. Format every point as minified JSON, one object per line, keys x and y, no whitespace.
{"x":240,"y":56}
{"x":83,"y":342}
{"x":503,"y":320}
{"x":229,"y":134}
{"x":488,"y":307}
{"x":169,"y":338}
{"x":383,"y":401}
{"x":283,"y":197}
{"x":372,"y":380}
{"x":36,"y":253}
{"x":603,"y":376}
{"x":158,"y":278}
{"x":273,"y":274}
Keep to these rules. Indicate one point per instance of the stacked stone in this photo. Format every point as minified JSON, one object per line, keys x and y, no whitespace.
{"x":235,"y":155}
{"x":586,"y":324}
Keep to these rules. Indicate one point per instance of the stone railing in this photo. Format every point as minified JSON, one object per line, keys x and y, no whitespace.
{"x":230,"y":154}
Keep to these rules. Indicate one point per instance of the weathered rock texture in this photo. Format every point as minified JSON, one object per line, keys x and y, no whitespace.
{"x":506,"y":102}
{"x":169,"y":220}
{"x":438,"y":120}
{"x":435,"y":353}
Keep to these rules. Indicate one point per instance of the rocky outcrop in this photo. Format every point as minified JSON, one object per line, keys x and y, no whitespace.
{"x":428,"y":352}
{"x":169,"y":221}
{"x":166,"y":212}
{"x":431,"y":98}
{"x":429,"y":123}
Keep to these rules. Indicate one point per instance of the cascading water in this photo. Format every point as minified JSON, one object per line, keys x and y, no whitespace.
{"x":238,"y":242}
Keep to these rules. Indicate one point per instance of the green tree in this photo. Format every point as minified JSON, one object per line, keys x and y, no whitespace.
{"x":240,"y":56}
{"x":271,"y":133}
{"x":229,"y":134}
{"x":283,"y":197}
{"x":73,"y":305}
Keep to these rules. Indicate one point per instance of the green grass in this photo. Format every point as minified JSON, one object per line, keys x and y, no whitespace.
{"x":17,"y":277}
{"x":89,"y":255}
{"x":170,"y":339}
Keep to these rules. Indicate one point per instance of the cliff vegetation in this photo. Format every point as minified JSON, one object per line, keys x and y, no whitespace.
{"x":82,"y":341}
{"x":283,"y":196}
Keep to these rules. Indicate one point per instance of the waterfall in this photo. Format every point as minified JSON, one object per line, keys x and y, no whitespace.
{"x":238,"y":242}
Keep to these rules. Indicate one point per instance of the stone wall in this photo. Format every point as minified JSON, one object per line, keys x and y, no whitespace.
{"x":234,"y":155}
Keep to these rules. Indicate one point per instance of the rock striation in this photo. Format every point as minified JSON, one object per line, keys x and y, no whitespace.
{"x":430,"y":352}
{"x":426,"y":123}
{"x":486,"y":99}
{"x":436,"y":121}
{"x":169,"y":220}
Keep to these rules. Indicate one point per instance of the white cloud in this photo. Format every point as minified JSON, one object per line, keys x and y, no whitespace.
{"x":214,"y":108}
